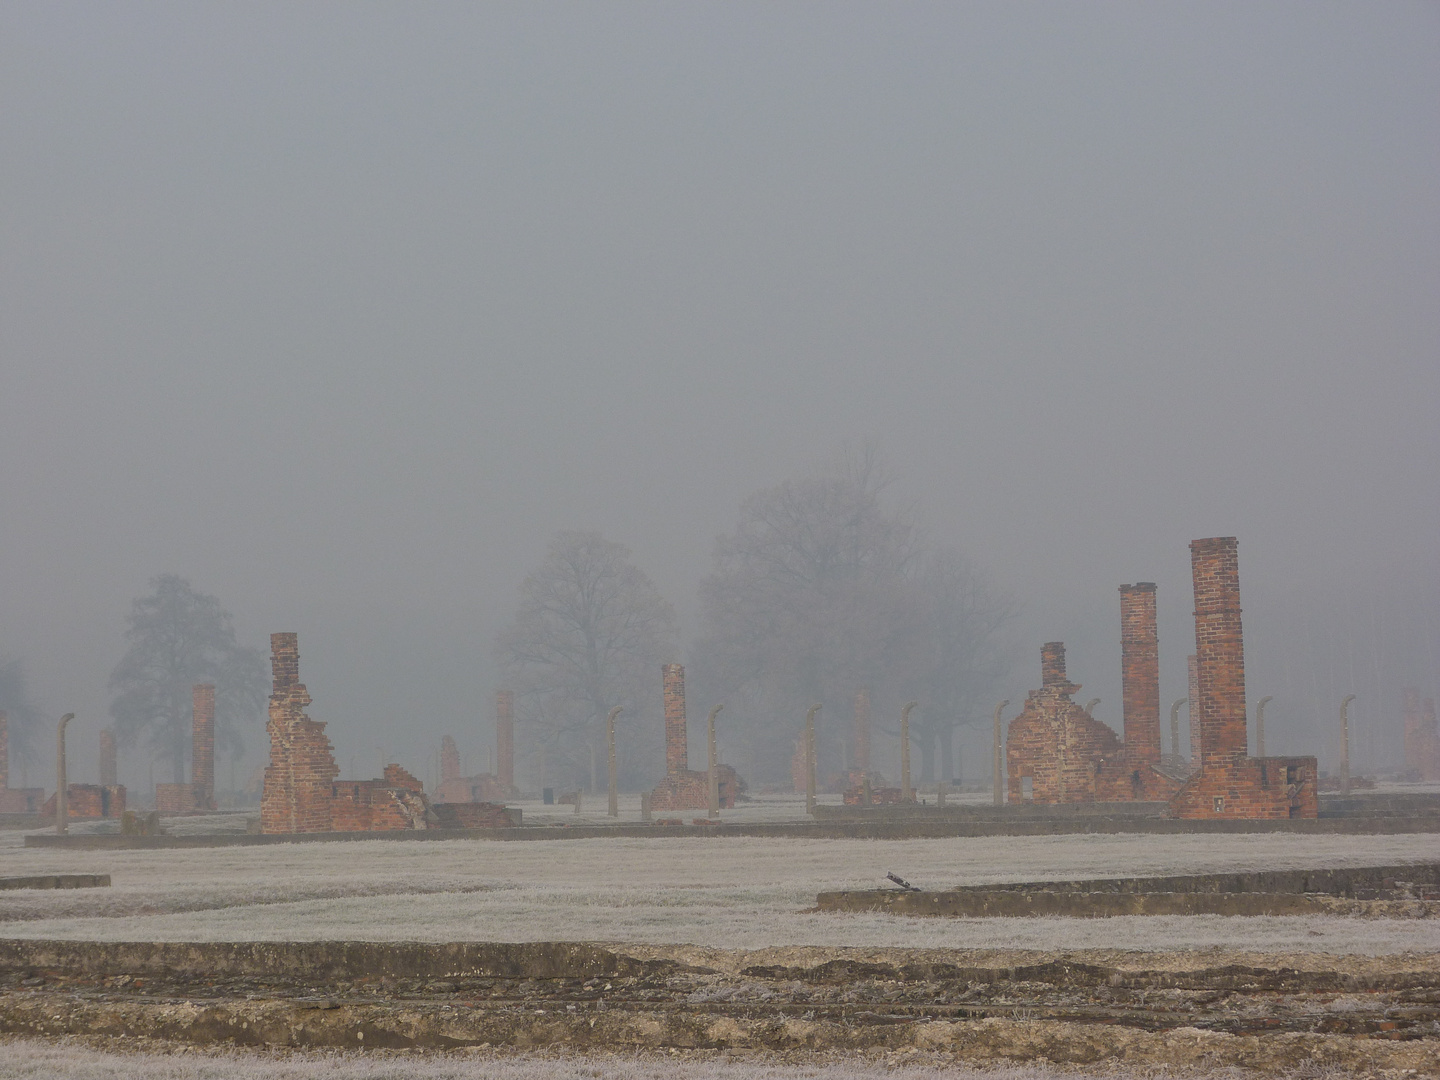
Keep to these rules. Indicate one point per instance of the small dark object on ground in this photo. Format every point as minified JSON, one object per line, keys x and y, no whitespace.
{"x":902,"y":883}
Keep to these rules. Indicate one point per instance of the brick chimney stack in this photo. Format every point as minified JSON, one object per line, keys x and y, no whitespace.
{"x":862,"y":730}
{"x":284,"y":661}
{"x":505,"y":738}
{"x":673,"y":684}
{"x":202,"y":745}
{"x":1140,"y":671}
{"x":108,"y":768}
{"x":1052,"y":664}
{"x":449,"y":759}
{"x":1219,"y":651}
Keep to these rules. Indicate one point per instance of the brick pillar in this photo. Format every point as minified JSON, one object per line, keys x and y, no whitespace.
{"x":449,"y":760}
{"x":1140,"y":672}
{"x":1193,"y":709}
{"x":284,"y":661}
{"x":673,"y":683}
{"x":862,"y":730}
{"x":1219,"y":650}
{"x":202,"y":747}
{"x":4,"y":751}
{"x":107,"y":758}
{"x":505,"y":738}
{"x":1052,"y":663}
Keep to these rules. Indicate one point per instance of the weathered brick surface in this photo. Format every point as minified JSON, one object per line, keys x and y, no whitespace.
{"x":1230,"y":783}
{"x":297,"y":797}
{"x":202,"y":748}
{"x":1422,"y":737}
{"x":683,"y":789}
{"x":1140,"y":672}
{"x":449,"y":760}
{"x":475,"y":815}
{"x":691,"y":790}
{"x":180,"y":799}
{"x":505,"y":741}
{"x":1053,"y":742}
{"x":89,"y":801}
{"x":1192,"y":664}
{"x":879,"y":796}
{"x":677,"y":759}
{"x":396,"y":802}
{"x":108,"y":764}
{"x":861,"y":762}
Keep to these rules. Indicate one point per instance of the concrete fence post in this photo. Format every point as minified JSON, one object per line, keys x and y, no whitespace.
{"x":1345,"y":744}
{"x":62,"y":807}
{"x":907,"y":793}
{"x":997,"y":757}
{"x":713,"y":772}
{"x":610,"y":761}
{"x":810,"y":759}
{"x":1260,"y":726}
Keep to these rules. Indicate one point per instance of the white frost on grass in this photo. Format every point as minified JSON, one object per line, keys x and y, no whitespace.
{"x":734,"y":892}
{"x":30,"y":1059}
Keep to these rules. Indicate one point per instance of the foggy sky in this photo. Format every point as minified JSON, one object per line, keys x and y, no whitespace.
{"x":342,"y":310}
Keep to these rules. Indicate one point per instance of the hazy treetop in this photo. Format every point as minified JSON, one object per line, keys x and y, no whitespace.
{"x":341,"y":312}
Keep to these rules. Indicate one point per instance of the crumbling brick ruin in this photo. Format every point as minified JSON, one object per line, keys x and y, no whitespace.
{"x":1229,"y":783}
{"x":860,"y":777}
{"x":298,"y":795}
{"x":1137,"y":772}
{"x":109,"y":767}
{"x":302,"y":794}
{"x":1422,"y":739}
{"x":1054,"y":749}
{"x":683,"y":789}
{"x":89,"y":801}
{"x":198,"y":796}
{"x":487,"y":788}
{"x":1070,"y":757}
{"x":14,"y":800}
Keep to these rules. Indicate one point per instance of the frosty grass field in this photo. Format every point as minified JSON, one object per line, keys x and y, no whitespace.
{"x":733,"y":892}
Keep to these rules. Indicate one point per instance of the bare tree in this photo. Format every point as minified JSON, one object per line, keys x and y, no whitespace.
{"x":179,"y":637}
{"x":23,"y":717}
{"x":959,"y":660}
{"x":810,"y":598}
{"x":590,"y":633}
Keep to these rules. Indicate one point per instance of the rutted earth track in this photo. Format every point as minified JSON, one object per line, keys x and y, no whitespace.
{"x":1363,"y":1014}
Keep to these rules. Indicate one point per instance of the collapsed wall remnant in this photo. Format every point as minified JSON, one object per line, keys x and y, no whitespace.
{"x":1054,"y":748}
{"x":108,"y":765}
{"x":1230,"y":783}
{"x":486,"y":788}
{"x":1422,"y":737}
{"x":396,"y":801}
{"x":14,"y":800}
{"x":89,"y":801}
{"x":683,"y":789}
{"x":298,"y":795}
{"x":197,"y":796}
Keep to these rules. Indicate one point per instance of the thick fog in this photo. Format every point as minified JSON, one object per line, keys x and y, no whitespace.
{"x":341,"y":312}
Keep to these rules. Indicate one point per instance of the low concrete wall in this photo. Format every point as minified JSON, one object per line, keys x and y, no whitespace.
{"x":56,"y":881}
{"x":321,"y":960}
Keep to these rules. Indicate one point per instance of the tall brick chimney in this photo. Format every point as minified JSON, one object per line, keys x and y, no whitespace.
{"x":202,"y":748}
{"x":1052,"y":663}
{"x":673,"y":684}
{"x":108,"y":768}
{"x":4,"y":751}
{"x":449,"y":759}
{"x":1140,"y":671}
{"x":284,"y":661}
{"x":1192,"y":663}
{"x":1219,"y":651}
{"x":505,"y":738}
{"x":862,"y":730}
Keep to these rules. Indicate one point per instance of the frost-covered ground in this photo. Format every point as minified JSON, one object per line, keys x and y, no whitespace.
{"x":734,"y":892}
{"x":33,"y":1059}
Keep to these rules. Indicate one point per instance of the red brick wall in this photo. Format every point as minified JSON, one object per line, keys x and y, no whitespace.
{"x":1052,"y":664}
{"x":862,"y":731}
{"x":202,"y":750}
{"x":297,"y":796}
{"x":672,"y":678}
{"x":1192,"y":708}
{"x":89,"y":801}
{"x":473,"y":815}
{"x":27,"y":800}
{"x":180,"y":798}
{"x":1219,"y":650}
{"x":505,"y":739}
{"x":449,"y":759}
{"x":1140,"y":673}
{"x":691,"y":790}
{"x":1054,"y":742}
{"x":108,"y":768}
{"x":1251,"y":788}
